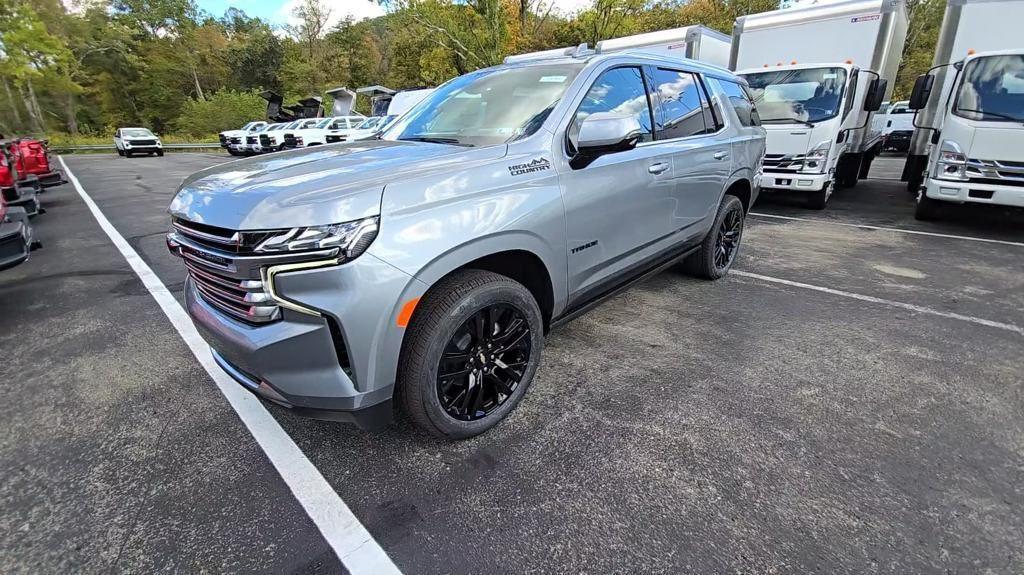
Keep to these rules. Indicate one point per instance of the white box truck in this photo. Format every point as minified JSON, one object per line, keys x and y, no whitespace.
{"x":968,"y":143}
{"x":697,"y":42}
{"x":817,"y":74}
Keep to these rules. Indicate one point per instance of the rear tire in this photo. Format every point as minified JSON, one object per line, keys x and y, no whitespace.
{"x":443,"y":338}
{"x":721,"y":245}
{"x":927,"y":209}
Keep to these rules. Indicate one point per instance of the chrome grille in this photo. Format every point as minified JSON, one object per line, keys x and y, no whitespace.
{"x":250,"y":140}
{"x":996,"y":172}
{"x":246,"y":300}
{"x":783,"y":163}
{"x":220,"y":238}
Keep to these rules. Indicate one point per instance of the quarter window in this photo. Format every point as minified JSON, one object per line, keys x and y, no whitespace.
{"x":681,"y":106}
{"x":741,"y":102}
{"x":620,"y":90}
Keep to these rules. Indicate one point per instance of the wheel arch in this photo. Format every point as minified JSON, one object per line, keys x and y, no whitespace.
{"x":740,"y":185}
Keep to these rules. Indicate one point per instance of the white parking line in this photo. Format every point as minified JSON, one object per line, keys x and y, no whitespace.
{"x":355,"y":547}
{"x":908,"y":306}
{"x":885,"y":229}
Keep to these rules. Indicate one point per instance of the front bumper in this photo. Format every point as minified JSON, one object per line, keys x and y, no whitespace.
{"x":15,"y":243}
{"x":962,"y":192}
{"x":340,"y":364}
{"x":23,"y":195}
{"x":50,"y":179}
{"x":142,"y":149}
{"x":794,"y":181}
{"x":899,"y":141}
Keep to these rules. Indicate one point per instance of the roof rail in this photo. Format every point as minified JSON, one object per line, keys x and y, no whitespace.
{"x":571,"y":51}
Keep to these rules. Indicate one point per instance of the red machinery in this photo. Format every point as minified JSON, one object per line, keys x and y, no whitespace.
{"x":17,"y":187}
{"x":34,"y":157}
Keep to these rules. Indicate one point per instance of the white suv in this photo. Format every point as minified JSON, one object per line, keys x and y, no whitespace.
{"x":131,"y":141}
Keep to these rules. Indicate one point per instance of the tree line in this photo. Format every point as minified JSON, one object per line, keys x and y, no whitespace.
{"x":170,"y":66}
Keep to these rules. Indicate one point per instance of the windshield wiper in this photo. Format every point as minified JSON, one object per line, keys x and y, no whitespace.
{"x":996,"y":114}
{"x":435,"y":140}
{"x":797,"y":120}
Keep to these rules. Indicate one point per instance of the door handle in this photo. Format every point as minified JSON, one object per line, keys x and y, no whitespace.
{"x":658,"y":168}
{"x":721,"y":155}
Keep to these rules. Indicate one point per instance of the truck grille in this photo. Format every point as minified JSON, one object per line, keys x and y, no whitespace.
{"x":223,"y":140}
{"x":235,"y":140}
{"x":265,"y":141}
{"x":783,"y":163}
{"x":251,"y":140}
{"x":221,"y":239}
{"x":333,"y":138}
{"x":995,"y":172}
{"x":142,"y":142}
{"x":290,"y":141}
{"x":246,"y":300}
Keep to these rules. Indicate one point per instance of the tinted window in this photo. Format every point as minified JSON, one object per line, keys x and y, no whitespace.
{"x":620,"y":90}
{"x":992,"y":89}
{"x":680,"y":106}
{"x":741,"y":102}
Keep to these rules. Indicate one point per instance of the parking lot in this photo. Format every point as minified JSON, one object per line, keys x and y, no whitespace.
{"x":849,"y":400}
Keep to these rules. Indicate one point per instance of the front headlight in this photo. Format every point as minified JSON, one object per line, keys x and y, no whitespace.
{"x":817,"y":158}
{"x":351,"y":238}
{"x":952,"y":164}
{"x":127,"y":144}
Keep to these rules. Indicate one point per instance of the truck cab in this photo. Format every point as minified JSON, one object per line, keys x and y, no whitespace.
{"x":977,"y":134}
{"x":816,"y":119}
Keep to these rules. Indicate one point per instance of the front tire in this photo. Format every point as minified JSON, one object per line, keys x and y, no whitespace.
{"x":470,"y":353}
{"x":819,"y":199}
{"x":718,"y":251}
{"x":927,"y":209}
{"x":120,"y":152}
{"x":160,"y":153}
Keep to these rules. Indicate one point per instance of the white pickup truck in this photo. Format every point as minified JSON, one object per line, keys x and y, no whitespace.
{"x":897,"y":127}
{"x":316,"y":134}
{"x":236,"y":138}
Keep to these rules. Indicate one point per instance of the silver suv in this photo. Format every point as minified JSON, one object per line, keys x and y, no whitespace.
{"x":424,"y":267}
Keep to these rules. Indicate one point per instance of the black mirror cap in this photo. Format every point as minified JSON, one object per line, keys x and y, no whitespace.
{"x":585,"y":156}
{"x":875,"y":95}
{"x":922,"y":91}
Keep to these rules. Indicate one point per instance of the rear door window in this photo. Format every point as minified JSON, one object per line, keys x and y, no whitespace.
{"x":680,"y":104}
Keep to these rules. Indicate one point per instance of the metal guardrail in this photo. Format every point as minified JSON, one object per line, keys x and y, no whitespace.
{"x":112,"y":148}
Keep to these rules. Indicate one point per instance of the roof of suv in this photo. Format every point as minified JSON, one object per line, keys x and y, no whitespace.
{"x":638,"y":56}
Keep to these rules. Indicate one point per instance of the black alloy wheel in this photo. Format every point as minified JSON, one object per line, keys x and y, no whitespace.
{"x":728,"y":241}
{"x":484,"y":362}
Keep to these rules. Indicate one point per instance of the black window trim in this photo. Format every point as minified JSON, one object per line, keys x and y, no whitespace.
{"x":568,"y":146}
{"x":649,"y":70}
{"x":745,"y":91}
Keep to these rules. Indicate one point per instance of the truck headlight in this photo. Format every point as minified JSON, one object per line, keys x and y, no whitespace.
{"x":351,"y":238}
{"x":817,"y":158}
{"x":952,"y":164}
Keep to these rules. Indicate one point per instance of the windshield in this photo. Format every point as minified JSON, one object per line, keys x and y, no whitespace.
{"x":487,"y":107}
{"x":325,"y":123}
{"x":811,"y":95}
{"x":992,"y":89}
{"x":137,"y":133}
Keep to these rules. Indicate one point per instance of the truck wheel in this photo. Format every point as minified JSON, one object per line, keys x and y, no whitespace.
{"x":471,"y":350}
{"x":160,"y":153}
{"x":718,"y":251}
{"x":232,"y":152}
{"x":817,"y":200}
{"x":927,"y":209}
{"x":120,"y":152}
{"x":127,"y":154}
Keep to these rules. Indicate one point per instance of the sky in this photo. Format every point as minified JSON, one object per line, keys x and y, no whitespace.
{"x":279,"y":12}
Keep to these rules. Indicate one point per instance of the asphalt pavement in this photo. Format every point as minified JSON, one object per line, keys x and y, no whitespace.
{"x":772,"y":422}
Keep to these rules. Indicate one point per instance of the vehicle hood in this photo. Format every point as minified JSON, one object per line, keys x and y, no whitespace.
{"x":787,"y":139}
{"x":1002,"y":143}
{"x":312,"y":186}
{"x":232,"y":133}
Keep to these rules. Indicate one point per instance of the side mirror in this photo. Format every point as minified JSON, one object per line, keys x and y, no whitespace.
{"x":605,"y":133}
{"x":922,"y":91}
{"x":875,"y":95}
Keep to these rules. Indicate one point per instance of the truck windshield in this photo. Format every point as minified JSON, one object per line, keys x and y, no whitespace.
{"x":137,"y":133}
{"x":487,"y":107}
{"x":992,"y":89}
{"x":797,"y":96}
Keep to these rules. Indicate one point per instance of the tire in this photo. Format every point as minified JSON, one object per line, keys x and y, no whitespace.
{"x":232,"y":152}
{"x":704,"y":263}
{"x":817,"y":200}
{"x":160,"y":153}
{"x":927,"y":209}
{"x":127,"y":154}
{"x":120,"y":152}
{"x":447,"y":311}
